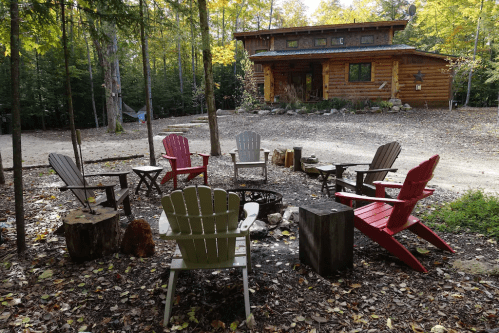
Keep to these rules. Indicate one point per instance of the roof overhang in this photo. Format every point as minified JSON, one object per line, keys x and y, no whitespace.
{"x":344,"y":52}
{"x":395,"y":25}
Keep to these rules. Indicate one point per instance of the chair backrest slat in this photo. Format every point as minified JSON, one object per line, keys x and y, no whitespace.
{"x":412,"y":190}
{"x":67,"y":170}
{"x":178,"y":146}
{"x":187,"y":246}
{"x":202,"y":211}
{"x":248,"y":146}
{"x":383,"y":159}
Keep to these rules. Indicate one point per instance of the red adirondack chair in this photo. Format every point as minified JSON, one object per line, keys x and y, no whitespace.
{"x":384,"y":218}
{"x":177,"y":153}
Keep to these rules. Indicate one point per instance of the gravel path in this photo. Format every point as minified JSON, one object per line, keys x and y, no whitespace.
{"x":466,"y":139}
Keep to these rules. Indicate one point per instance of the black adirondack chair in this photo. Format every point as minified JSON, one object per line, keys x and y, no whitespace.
{"x":72,"y":177}
{"x":381,"y":164}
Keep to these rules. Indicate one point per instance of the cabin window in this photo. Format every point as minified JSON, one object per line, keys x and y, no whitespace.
{"x":258,"y":68}
{"x":337,"y":41}
{"x":261,"y":89}
{"x":260,"y":51}
{"x":292,"y":43}
{"x":367,"y":39}
{"x":320,"y":42}
{"x":359,"y":72}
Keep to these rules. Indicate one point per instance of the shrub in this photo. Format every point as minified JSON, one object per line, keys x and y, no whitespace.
{"x":475,"y":211}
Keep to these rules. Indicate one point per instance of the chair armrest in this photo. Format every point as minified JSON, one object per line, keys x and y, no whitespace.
{"x":233,"y":155}
{"x":108,"y":174}
{"x":251,"y":210}
{"x":90,"y":187}
{"x":347,"y":198}
{"x":172,"y":160}
{"x":266,"y":153}
{"x":342,"y":166}
{"x":351,"y":164}
{"x":375,"y":170}
{"x":205,"y":158}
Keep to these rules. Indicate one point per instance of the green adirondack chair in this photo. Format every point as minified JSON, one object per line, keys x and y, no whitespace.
{"x":204,"y":223}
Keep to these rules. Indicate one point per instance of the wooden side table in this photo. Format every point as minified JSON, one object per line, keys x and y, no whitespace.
{"x":326,"y":237}
{"x":148,"y":176}
{"x":325,"y":171}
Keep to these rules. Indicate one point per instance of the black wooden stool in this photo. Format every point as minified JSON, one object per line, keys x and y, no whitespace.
{"x":145,"y":173}
{"x":325,"y":171}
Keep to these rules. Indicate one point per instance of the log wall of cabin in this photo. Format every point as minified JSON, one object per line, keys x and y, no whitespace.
{"x":436,"y":84}
{"x":381,"y":76}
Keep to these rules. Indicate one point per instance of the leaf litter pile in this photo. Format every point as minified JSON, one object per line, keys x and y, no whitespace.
{"x":45,"y":291}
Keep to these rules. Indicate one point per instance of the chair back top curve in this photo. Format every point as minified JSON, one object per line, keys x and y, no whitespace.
{"x":67,"y":170}
{"x":198,"y":214}
{"x":178,"y":146}
{"x":383,"y":159}
{"x":248,"y":146}
{"x":412,"y":191}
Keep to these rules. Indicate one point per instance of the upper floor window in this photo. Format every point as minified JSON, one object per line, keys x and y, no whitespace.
{"x":292,"y":43}
{"x":261,"y":51}
{"x":320,"y":42}
{"x":337,"y":41}
{"x":360,"y":72}
{"x":367,"y":39}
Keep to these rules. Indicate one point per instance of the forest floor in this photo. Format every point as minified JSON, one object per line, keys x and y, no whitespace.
{"x":45,"y":291}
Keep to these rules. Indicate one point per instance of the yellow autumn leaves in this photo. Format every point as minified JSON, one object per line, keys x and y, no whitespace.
{"x":223,"y":54}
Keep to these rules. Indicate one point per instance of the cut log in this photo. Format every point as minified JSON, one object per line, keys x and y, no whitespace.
{"x":289,"y":158}
{"x":278,"y":156}
{"x":91,"y":236}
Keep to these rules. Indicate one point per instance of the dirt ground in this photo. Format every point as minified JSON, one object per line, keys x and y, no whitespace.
{"x":45,"y":291}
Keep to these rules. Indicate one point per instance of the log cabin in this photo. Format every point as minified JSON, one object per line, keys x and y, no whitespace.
{"x":354,"y":61}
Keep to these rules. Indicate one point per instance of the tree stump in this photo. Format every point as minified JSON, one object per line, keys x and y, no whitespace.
{"x":91,"y":236}
{"x":326,"y":237}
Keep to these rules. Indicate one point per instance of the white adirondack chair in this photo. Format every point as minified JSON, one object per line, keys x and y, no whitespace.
{"x":248,"y":149}
{"x":205,"y":225}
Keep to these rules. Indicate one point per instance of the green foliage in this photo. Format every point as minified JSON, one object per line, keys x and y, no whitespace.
{"x":249,"y":96}
{"x":475,"y":211}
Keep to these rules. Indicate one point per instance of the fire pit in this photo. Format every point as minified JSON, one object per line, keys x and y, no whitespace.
{"x":270,"y":202}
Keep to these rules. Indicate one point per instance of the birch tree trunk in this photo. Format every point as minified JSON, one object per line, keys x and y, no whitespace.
{"x":91,"y":81}
{"x":68,"y":89}
{"x":208,"y":73}
{"x":474,"y":56}
{"x":16,"y":125}
{"x":152,"y":157}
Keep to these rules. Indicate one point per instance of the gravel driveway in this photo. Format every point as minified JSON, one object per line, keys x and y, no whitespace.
{"x":466,"y":139}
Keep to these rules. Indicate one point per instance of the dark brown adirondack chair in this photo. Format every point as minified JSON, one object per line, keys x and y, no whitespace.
{"x":72,"y":177}
{"x":381,"y":164}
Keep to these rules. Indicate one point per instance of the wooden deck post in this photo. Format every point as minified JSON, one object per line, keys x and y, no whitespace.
{"x":325,"y":80}
{"x":268,"y":84}
{"x":395,"y":79}
{"x":326,"y":237}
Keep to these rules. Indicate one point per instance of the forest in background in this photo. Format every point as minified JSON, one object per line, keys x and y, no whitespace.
{"x":105,"y":51}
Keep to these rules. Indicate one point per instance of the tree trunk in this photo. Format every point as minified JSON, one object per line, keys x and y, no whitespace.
{"x":152,"y":156}
{"x":148,"y":63}
{"x":194,"y":85}
{"x":180,"y":63}
{"x":119,"y":99}
{"x":91,"y":81}
{"x":2,"y":175}
{"x":208,"y":73}
{"x":474,"y":56}
{"x":68,"y":89}
{"x":16,"y":125}
{"x":39,"y":89}
{"x":271,"y":8}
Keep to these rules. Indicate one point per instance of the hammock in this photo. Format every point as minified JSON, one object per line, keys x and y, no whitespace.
{"x":141,"y":114}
